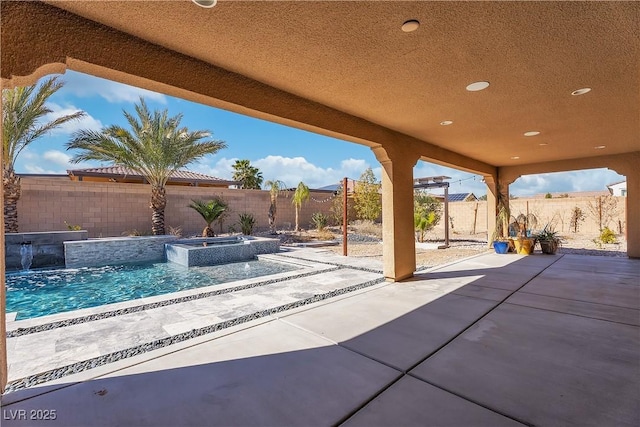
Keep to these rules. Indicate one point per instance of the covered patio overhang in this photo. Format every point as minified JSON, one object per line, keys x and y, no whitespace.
{"x":347,"y":70}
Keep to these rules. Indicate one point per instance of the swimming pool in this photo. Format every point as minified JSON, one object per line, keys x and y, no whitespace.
{"x":42,"y":292}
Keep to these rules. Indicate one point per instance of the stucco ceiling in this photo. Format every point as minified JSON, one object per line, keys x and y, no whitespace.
{"x":354,"y":57}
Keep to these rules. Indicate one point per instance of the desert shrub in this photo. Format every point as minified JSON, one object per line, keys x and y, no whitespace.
{"x":607,"y":236}
{"x":367,"y":227}
{"x":136,"y":233}
{"x":427,"y":211}
{"x":325,"y":234}
{"x":577,"y":216}
{"x":71,"y":227}
{"x":366,"y":197}
{"x":319,"y":220}
{"x":174,"y":231}
{"x":247,"y":221}
{"x":423,"y":221}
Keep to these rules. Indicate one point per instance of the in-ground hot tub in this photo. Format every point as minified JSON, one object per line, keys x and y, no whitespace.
{"x":218,"y":250}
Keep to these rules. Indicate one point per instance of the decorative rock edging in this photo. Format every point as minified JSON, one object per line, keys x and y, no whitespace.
{"x":157,"y":344}
{"x":99,"y":316}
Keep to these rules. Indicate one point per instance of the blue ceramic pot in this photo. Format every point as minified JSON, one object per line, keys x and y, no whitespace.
{"x":501,"y":247}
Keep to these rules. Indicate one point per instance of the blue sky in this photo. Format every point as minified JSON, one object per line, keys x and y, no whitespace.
{"x":280,"y":152}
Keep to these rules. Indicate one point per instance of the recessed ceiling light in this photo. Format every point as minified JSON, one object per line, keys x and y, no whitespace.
{"x":446,"y":123}
{"x":532,"y":133}
{"x":515,"y":157}
{"x":542,"y":144}
{"x":205,"y":3}
{"x":581,"y":91}
{"x":474,"y":87}
{"x":599,"y":147}
{"x":410,"y":25}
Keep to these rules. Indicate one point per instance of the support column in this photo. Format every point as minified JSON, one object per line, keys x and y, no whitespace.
{"x":630,"y":167}
{"x":633,"y":214}
{"x":3,"y":306}
{"x":398,"y":232}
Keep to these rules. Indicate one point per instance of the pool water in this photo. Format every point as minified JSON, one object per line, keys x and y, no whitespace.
{"x":42,"y":292}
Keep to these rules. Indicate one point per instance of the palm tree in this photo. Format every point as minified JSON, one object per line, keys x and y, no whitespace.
{"x":22,"y":111}
{"x":210,"y":211}
{"x":249,"y":176}
{"x":274,"y":186}
{"x":155,"y":148}
{"x":299,"y":196}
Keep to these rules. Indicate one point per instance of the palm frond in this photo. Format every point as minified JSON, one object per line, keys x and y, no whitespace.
{"x":23,"y":109}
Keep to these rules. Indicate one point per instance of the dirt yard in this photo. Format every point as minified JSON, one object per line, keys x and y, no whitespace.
{"x":365,"y":241}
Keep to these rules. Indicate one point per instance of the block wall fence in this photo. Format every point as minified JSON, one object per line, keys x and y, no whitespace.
{"x":556,"y":211}
{"x":107,"y":209}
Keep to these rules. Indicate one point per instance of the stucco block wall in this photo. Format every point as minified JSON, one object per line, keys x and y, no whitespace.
{"x":554,"y":211}
{"x":107,"y":209}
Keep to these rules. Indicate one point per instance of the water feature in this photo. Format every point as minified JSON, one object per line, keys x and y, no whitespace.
{"x":26,"y":255}
{"x":43,"y":292}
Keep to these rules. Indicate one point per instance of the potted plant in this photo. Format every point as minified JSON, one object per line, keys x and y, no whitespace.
{"x":524,"y":243}
{"x":549,"y":240}
{"x":500,"y":239}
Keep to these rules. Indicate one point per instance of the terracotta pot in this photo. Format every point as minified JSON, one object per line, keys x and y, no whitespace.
{"x":549,"y":246}
{"x":524,"y":245}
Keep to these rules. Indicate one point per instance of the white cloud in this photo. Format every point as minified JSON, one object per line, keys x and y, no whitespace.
{"x":528,"y":185}
{"x":86,"y":86}
{"x":291,"y":170}
{"x":565,"y":182}
{"x":85,"y":122}
{"x":49,"y":162}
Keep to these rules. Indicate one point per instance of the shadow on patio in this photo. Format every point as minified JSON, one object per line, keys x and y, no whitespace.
{"x":493,"y":340}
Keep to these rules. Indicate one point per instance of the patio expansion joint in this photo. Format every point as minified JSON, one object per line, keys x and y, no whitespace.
{"x":489,"y":408}
{"x":54,"y":374}
{"x":143,"y":307}
{"x":579,"y":300}
{"x":498,"y":304}
{"x":579,"y":315}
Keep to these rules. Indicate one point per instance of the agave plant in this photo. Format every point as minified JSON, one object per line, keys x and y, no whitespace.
{"x":247,"y":221}
{"x":210,"y":210}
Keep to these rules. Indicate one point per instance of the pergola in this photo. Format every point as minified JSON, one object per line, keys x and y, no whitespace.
{"x":349,"y":70}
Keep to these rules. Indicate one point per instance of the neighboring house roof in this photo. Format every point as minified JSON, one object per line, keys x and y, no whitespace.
{"x":617,"y":183}
{"x":335,"y":187}
{"x":122,"y":172}
{"x":462,"y":197}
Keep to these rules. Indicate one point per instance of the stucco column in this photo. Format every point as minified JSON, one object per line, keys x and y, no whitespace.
{"x":633,"y":214}
{"x":398,"y":236}
{"x":3,"y":306}
{"x":630,"y":167}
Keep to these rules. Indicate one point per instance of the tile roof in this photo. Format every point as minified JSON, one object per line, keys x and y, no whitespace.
{"x":121,"y":171}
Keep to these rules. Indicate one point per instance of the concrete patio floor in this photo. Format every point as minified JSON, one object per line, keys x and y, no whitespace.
{"x":493,"y":340}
